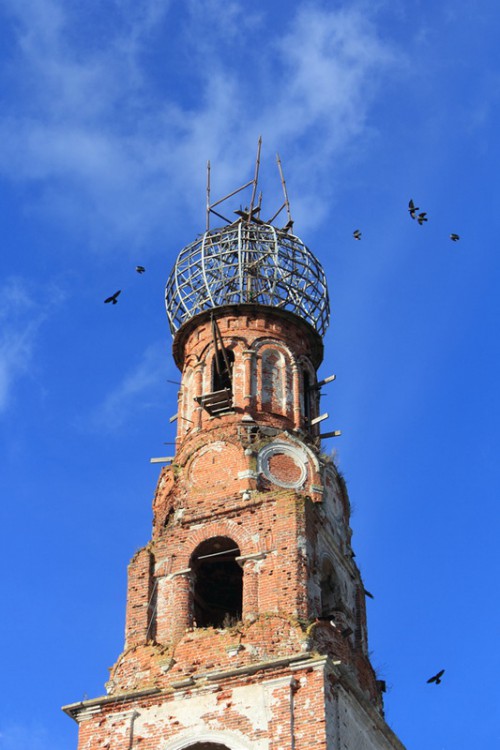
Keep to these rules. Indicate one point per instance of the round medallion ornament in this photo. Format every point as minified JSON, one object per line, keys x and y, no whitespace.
{"x":284,"y":465}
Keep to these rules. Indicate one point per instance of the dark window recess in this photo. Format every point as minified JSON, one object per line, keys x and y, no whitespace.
{"x":221,"y":374}
{"x":220,"y":399}
{"x":169,"y":516}
{"x":331,"y":599}
{"x":218,"y":583}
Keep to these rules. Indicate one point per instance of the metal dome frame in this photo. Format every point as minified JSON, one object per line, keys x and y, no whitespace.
{"x":247,"y":262}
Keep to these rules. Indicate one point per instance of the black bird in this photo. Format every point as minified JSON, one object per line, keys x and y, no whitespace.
{"x":436,"y":678}
{"x":422,"y":217}
{"x":114,"y":298}
{"x":412,"y":208}
{"x":367,"y":593}
{"x":140,"y":269}
{"x":356,"y":234}
{"x":454,"y":237}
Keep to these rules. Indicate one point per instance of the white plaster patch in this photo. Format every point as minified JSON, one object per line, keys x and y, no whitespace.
{"x":190,"y":714}
{"x":229,"y":739}
{"x":356,"y":730}
{"x":253,"y":703}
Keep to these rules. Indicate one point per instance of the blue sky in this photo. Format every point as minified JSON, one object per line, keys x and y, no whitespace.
{"x":109,"y":112}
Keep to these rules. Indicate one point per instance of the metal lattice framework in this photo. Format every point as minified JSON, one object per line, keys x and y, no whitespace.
{"x":247,"y":263}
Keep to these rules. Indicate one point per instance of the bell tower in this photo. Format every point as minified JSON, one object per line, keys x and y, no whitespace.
{"x":245,"y":623}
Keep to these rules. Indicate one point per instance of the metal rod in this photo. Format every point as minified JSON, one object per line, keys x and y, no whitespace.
{"x":285,"y":193}
{"x":230,"y":195}
{"x":214,"y":554}
{"x":217,"y":336}
{"x":208,"y":195}
{"x":214,"y":336}
{"x":255,"y":179}
{"x":335,"y":433}
{"x":221,"y":216}
{"x":270,"y":221}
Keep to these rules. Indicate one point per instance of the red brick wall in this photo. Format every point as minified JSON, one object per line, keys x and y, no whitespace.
{"x":214,"y":488}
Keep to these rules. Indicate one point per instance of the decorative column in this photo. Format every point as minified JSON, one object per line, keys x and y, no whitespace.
{"x":247,"y":383}
{"x":198,"y":391}
{"x":251,"y":567}
{"x":165,"y":596}
{"x":297,"y":412}
{"x":181,"y":602}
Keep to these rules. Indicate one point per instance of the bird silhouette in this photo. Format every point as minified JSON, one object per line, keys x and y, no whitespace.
{"x":356,"y":234}
{"x":412,"y":208}
{"x":454,"y":237}
{"x":422,"y":217}
{"x":114,"y":298}
{"x":436,"y":678}
{"x":140,"y":269}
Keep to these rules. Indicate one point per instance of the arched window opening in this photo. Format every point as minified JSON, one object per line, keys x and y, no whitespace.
{"x":222,"y":370}
{"x":310,"y":395}
{"x":307,"y":396}
{"x":207,"y":746}
{"x":218,"y":583}
{"x":331,"y":600}
{"x":220,"y":398}
{"x":272,"y":380}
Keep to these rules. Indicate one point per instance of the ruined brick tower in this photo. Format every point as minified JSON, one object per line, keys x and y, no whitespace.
{"x":245,"y":624}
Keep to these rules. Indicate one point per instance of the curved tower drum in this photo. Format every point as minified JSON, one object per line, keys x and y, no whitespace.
{"x":245,"y":625}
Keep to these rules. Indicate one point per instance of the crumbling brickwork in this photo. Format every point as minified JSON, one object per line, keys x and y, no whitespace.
{"x":245,"y":623}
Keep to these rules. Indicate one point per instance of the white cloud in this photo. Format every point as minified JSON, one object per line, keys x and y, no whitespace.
{"x":133,"y":393}
{"x":113,"y":138}
{"x":21,"y":316}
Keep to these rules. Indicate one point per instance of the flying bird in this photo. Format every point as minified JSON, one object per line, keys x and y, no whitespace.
{"x":436,"y":678}
{"x":422,"y":217}
{"x":454,"y":237}
{"x":356,"y":234}
{"x":140,"y":269}
{"x":114,"y":298}
{"x":412,"y":208}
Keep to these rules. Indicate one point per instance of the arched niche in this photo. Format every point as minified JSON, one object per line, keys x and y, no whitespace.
{"x":273,"y":380}
{"x":331,"y":593}
{"x":217,"y":594}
